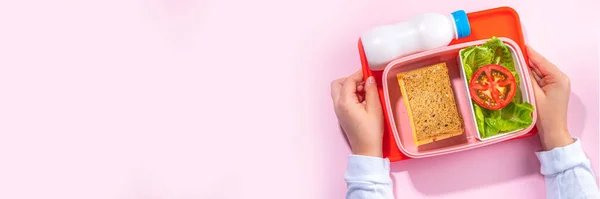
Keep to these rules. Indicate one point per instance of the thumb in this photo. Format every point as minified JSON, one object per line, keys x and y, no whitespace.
{"x":372,"y":96}
{"x":538,"y":92}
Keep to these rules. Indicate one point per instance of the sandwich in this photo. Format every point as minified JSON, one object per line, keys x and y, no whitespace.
{"x":430,"y":104}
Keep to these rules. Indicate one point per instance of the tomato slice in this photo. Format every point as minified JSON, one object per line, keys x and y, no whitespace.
{"x":492,"y":86}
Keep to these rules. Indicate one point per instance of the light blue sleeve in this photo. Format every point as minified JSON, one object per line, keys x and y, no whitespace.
{"x":568,"y":173}
{"x":368,"y":178}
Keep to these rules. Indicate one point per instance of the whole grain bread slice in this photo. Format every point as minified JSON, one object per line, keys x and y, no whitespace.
{"x":430,"y":104}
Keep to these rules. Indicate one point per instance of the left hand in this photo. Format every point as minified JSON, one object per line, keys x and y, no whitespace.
{"x":359,"y":112}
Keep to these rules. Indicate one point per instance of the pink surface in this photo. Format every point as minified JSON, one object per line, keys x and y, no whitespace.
{"x":230,"y":99}
{"x":397,"y":110}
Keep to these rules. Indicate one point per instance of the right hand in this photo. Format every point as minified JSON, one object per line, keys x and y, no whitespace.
{"x":552,"y":89}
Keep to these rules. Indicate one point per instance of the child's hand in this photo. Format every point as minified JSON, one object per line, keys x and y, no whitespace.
{"x":552,"y":89}
{"x":359,"y":112}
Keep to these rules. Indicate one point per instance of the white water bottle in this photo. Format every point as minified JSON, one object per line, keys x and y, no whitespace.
{"x":385,"y":43}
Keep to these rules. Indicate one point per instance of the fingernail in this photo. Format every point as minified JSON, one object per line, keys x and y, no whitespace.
{"x":371,"y":80}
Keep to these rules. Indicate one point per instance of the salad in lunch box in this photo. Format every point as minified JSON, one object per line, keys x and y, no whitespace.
{"x":494,"y":89}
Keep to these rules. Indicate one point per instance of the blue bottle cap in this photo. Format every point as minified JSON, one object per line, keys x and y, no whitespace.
{"x":463,"y":28}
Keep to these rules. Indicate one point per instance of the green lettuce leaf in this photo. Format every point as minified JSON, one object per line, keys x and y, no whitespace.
{"x":490,"y":128}
{"x":518,"y":99}
{"x":481,"y":56}
{"x":466,"y":54}
{"x":502,"y":55}
{"x":510,"y":118}
{"x":479,"y":117}
{"x":517,"y":113}
{"x":468,"y":72}
{"x":474,"y":57}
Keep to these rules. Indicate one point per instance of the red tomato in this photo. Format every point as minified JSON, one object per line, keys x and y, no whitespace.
{"x":492,"y":86}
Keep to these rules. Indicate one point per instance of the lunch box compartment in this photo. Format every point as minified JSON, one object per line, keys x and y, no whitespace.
{"x":399,"y":119}
{"x":523,"y":74}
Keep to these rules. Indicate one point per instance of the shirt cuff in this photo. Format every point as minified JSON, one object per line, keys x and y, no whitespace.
{"x":368,"y":168}
{"x":562,"y":158}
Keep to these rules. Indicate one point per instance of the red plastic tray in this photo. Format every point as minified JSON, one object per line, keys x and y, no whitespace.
{"x":499,"y":22}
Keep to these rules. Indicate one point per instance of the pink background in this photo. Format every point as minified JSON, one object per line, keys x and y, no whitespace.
{"x":182,"y":99}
